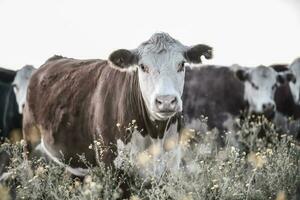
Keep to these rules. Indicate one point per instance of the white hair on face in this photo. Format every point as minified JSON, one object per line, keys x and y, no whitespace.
{"x":161,"y":61}
{"x":20,"y":84}
{"x":259,"y":88}
{"x":161,"y":54}
{"x":158,"y":43}
{"x":295,"y":86}
{"x":163,"y":79}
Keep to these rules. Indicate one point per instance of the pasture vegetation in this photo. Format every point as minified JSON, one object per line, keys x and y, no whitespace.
{"x":256,"y":168}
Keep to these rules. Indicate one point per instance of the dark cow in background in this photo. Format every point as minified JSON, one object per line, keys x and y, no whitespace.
{"x":6,"y":75}
{"x":295,"y":85}
{"x":212,"y":92}
{"x":285,"y":103}
{"x":13,"y":87}
{"x":222,"y":93}
{"x":76,"y":102}
{"x":10,"y":118}
{"x":288,"y":118}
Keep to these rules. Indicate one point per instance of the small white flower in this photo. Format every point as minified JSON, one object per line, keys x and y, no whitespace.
{"x":22,"y":142}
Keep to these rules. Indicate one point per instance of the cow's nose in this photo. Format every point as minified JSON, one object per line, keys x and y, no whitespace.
{"x":268,"y":107}
{"x":269,"y":110}
{"x":166,"y":103}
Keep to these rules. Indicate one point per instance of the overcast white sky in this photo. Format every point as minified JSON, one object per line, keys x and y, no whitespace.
{"x":247,"y":32}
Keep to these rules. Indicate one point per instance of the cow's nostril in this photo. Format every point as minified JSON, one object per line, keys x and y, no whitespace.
{"x":268,"y":107}
{"x":174,"y":101}
{"x":158,"y":102}
{"x":166,"y":103}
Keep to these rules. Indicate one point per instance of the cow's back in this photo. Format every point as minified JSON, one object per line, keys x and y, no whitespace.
{"x":61,"y":84}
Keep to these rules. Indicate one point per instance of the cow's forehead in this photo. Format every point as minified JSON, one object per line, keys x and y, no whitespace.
{"x":263,"y":74}
{"x":165,"y":60}
{"x":25,"y":72}
{"x":160,"y":43}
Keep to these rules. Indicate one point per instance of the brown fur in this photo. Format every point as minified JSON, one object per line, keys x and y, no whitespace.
{"x":74,"y":102}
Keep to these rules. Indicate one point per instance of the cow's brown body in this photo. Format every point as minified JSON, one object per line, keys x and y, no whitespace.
{"x":74,"y":102}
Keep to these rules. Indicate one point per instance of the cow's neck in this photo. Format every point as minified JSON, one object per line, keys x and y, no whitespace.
{"x":138,"y":111}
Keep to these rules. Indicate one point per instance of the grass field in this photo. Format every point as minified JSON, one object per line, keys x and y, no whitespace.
{"x":268,"y":169}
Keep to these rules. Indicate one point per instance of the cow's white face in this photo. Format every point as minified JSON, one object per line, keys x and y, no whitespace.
{"x":20,"y":85}
{"x":160,"y":62}
{"x":260,"y":85}
{"x":161,"y":79}
{"x":295,"y":84}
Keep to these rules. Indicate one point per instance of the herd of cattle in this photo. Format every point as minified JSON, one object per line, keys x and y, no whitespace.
{"x":77,"y":104}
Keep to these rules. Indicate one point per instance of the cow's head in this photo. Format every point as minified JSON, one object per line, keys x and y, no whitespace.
{"x":295,"y":85}
{"x":160,"y":62}
{"x":20,"y":85}
{"x":260,"y":85}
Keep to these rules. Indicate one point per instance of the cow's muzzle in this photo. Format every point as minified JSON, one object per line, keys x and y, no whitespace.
{"x":166,"y":105}
{"x":269,"y":110}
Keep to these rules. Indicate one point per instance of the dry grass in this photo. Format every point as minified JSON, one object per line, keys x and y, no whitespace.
{"x":269,"y":169}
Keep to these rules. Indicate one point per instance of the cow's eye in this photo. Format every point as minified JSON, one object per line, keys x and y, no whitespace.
{"x":144,"y":68}
{"x":181,"y":66}
{"x":254,"y":86}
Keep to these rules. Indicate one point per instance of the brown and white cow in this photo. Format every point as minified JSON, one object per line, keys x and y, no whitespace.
{"x":76,"y":102}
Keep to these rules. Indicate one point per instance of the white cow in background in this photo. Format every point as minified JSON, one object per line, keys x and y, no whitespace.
{"x":20,"y":85}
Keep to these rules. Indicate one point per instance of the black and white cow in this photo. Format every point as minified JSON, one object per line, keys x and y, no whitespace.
{"x":288,"y":117}
{"x":221,"y":93}
{"x":295,"y":85}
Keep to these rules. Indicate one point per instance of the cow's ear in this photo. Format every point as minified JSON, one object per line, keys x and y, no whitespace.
{"x":283,"y":78}
{"x":242,"y":75}
{"x":291,"y":77}
{"x":123,"y":58}
{"x":280,"y":79}
{"x":194,"y":53}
